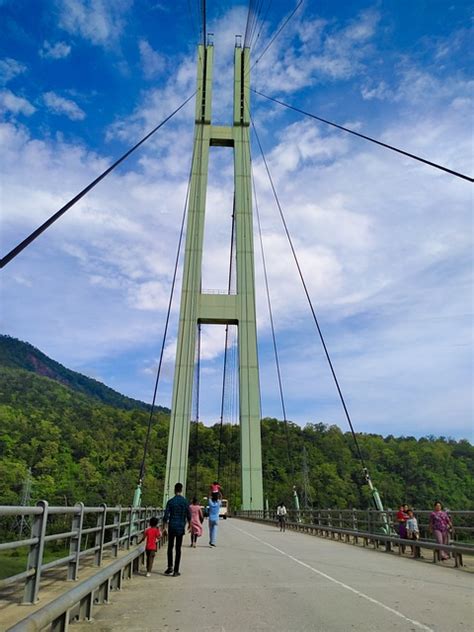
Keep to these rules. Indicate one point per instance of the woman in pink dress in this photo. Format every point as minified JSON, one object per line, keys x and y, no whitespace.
{"x":197,"y":518}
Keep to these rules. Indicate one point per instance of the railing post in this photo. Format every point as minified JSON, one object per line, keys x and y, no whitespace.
{"x":116,"y":531}
{"x":75,"y":543}
{"x":35,"y":555}
{"x":130,"y":527}
{"x":100,"y":535}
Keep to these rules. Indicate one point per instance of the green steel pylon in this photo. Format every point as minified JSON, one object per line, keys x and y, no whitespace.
{"x":236,"y":309}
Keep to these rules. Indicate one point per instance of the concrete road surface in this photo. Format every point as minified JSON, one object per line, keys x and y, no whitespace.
{"x":258,"y":579}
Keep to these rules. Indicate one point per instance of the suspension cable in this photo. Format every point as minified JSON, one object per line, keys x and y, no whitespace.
{"x":36,"y":233}
{"x":262,"y":23}
{"x":247,"y":26}
{"x":257,"y":19}
{"x":168,"y":313}
{"x":224,"y":372}
{"x":270,"y":311}
{"x":277,"y":33}
{"x":372,"y":140}
{"x":303,"y":282}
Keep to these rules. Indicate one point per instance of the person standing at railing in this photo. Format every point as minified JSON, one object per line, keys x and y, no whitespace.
{"x":441,"y":525}
{"x":152,"y":534}
{"x":281,"y":515}
{"x":174,"y":523}
{"x":402,"y":518}
{"x":413,"y":532}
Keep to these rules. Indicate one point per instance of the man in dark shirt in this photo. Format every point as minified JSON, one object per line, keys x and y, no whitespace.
{"x":174,"y":522}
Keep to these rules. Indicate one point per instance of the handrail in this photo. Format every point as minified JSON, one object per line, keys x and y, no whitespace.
{"x":328,"y":530}
{"x":111,"y":532}
{"x":81,"y":598}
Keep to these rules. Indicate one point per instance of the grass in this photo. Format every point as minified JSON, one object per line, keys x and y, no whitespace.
{"x":13,"y":562}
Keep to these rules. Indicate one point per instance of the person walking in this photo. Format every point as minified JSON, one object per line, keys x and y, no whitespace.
{"x":281,"y":515}
{"x":152,"y":534}
{"x":197,"y":519}
{"x":174,"y":523}
{"x":440,"y":526}
{"x":213,"y":506}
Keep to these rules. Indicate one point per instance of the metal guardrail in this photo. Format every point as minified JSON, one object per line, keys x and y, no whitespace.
{"x":372,"y":520}
{"x":333,"y":524}
{"x":110,"y":528}
{"x":77,"y":604}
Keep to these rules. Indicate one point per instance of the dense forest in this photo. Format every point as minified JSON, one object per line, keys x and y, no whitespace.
{"x":79,"y":448}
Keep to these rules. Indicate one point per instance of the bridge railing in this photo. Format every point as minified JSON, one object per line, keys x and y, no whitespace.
{"x":373,"y":521}
{"x":376,"y":527}
{"x":71,"y":535}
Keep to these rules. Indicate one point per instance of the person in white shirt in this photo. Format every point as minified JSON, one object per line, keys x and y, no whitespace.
{"x":413,"y":531}
{"x":281,"y":515}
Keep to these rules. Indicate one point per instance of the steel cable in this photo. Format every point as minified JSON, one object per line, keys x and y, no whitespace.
{"x":303,"y":282}
{"x":275,"y":349}
{"x":165,"y":333}
{"x":36,"y":233}
{"x":372,"y":140}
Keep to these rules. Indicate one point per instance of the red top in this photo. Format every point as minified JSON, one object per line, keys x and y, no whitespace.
{"x":402,"y":516}
{"x":151,"y":535}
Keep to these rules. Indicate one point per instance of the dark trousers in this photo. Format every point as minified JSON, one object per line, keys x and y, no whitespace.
{"x":172,"y":538}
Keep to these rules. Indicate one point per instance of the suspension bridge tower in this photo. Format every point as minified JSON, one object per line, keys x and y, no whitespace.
{"x":231,"y":309}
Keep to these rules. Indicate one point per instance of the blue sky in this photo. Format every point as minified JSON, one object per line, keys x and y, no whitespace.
{"x":385,"y":243}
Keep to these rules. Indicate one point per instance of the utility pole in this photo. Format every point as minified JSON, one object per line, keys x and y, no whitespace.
{"x":21,"y":524}
{"x":223,"y":309}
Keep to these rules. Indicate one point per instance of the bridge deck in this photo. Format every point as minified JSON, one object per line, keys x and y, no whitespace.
{"x":259,"y":579}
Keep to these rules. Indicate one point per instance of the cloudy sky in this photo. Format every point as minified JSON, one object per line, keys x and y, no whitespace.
{"x":385,"y":243}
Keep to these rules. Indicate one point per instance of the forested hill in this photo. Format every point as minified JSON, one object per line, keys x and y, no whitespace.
{"x":80,"y":449}
{"x":21,"y":355}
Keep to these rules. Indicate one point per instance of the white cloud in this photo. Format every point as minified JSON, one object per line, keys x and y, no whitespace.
{"x":378,"y":90}
{"x":152,"y":62}
{"x":60,"y":105}
{"x":99,"y":21}
{"x":384,"y":243}
{"x":335,"y":53}
{"x":60,"y":50}
{"x":10,"y":68}
{"x":9,"y":102}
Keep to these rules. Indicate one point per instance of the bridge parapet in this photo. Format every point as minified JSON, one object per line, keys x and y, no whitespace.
{"x":372,"y":527}
{"x":66,"y":537}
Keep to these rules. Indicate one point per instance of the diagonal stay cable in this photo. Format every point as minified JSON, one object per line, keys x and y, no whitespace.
{"x":165,"y":333}
{"x":226,"y":343}
{"x":369,"y":138}
{"x":275,"y":348}
{"x":303,"y":282}
{"x":36,"y":233}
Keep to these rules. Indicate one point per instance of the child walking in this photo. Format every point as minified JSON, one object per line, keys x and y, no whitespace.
{"x":152,"y":534}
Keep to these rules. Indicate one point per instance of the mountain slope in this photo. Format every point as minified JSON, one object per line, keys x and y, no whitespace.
{"x":16,"y":354}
